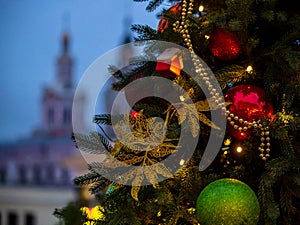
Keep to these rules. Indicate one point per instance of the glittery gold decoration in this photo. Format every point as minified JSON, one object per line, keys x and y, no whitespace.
{"x":134,"y":150}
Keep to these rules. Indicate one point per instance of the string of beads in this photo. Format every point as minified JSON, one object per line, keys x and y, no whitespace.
{"x":243,"y":125}
{"x":182,"y":28}
{"x":237,"y":123}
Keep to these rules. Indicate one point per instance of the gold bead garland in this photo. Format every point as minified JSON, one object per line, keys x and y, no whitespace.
{"x":237,"y":123}
{"x":182,"y":28}
{"x":243,"y":125}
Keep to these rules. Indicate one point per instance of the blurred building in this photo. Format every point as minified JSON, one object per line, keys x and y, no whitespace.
{"x":34,"y":175}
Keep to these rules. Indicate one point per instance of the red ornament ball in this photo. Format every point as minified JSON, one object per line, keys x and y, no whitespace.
{"x":163,"y":23}
{"x":249,"y":103}
{"x":224,"y":45}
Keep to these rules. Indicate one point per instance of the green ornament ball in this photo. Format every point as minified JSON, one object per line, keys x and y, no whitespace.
{"x":227,"y":202}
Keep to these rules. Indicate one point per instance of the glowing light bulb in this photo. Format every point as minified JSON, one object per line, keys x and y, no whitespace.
{"x":159,"y":213}
{"x":239,"y":149}
{"x":181,"y":162}
{"x":227,"y":142}
{"x":181,"y":97}
{"x":249,"y":69}
{"x":191,"y":210}
{"x":206,"y":36}
{"x":201,"y":8}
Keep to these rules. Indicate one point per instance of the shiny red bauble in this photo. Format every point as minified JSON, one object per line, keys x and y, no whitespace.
{"x":224,"y":45}
{"x":163,"y":22}
{"x":249,"y":103}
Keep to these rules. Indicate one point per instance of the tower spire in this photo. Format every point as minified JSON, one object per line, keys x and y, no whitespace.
{"x":64,"y":61}
{"x":127,"y":38}
{"x":66,"y":28}
{"x":65,"y":42}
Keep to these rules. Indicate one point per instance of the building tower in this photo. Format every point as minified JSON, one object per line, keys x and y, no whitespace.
{"x":36,"y":173}
{"x":58,"y":96}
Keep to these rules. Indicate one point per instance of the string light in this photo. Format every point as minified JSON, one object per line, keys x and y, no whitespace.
{"x":207,"y":37}
{"x":239,"y":149}
{"x":191,"y":210}
{"x":181,"y":162}
{"x":249,"y":69}
{"x":227,"y":141}
{"x":181,"y":97}
{"x":201,"y":8}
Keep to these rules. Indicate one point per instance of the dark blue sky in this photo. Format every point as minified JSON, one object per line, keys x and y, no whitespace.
{"x":30,"y":33}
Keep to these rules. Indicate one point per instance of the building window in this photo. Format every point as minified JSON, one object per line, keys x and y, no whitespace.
{"x":37,"y":174}
{"x":22,"y":175}
{"x":44,"y":150}
{"x":50,"y":116}
{"x":65,"y":177}
{"x":2,"y":175}
{"x":50,"y":174}
{"x":67,"y":116}
{"x":12,"y":218}
{"x":30,"y":219}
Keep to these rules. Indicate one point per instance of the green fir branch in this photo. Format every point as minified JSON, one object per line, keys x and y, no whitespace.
{"x":99,"y":185}
{"x":87,"y":179}
{"x":144,"y":32}
{"x":92,"y":143}
{"x":153,"y":4}
{"x":95,"y":167}
{"x":233,"y":73}
{"x":104,"y":119}
{"x":125,"y":216}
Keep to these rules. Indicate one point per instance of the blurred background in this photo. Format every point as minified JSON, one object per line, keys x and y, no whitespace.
{"x":30,"y":44}
{"x":46,"y":46}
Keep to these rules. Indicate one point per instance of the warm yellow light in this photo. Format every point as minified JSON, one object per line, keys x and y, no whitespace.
{"x":94,"y":213}
{"x":191,"y":210}
{"x":249,"y":69}
{"x":225,"y":152}
{"x":206,"y":36}
{"x":159,"y":213}
{"x":201,"y":8}
{"x":227,"y":142}
{"x":239,"y":149}
{"x":181,"y":162}
{"x":181,"y":97}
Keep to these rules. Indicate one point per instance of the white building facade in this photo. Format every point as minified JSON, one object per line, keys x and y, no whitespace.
{"x":34,"y":176}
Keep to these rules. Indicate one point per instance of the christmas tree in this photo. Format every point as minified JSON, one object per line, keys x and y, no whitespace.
{"x":234,"y":66}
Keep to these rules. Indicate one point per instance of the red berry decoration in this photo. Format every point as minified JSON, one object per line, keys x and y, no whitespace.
{"x":224,"y":45}
{"x":249,"y":103}
{"x":163,"y":23}
{"x":134,"y":114}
